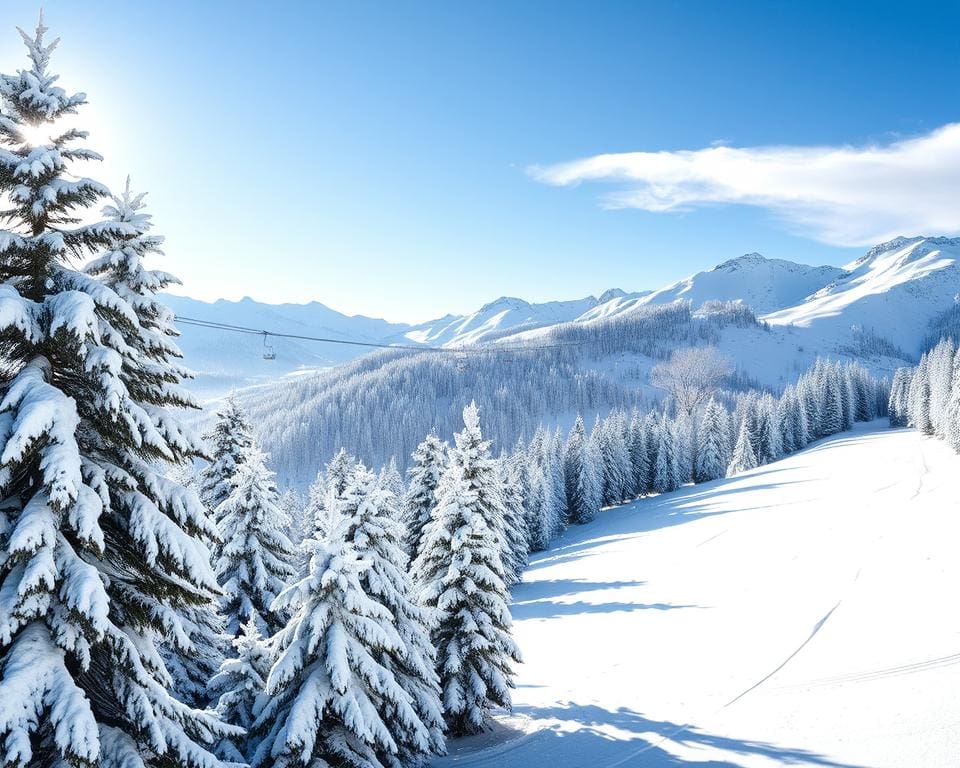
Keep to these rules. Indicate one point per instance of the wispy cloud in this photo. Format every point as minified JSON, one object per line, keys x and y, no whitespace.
{"x":844,"y":195}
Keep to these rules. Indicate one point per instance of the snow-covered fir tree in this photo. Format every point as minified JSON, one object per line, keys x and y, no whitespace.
{"x":512,"y":469}
{"x":460,"y":575}
{"x":332,"y":478}
{"x":581,"y":475}
{"x":101,"y":554}
{"x":239,"y":682}
{"x":255,"y":558}
{"x":743,"y":457}
{"x":637,"y":449}
{"x":227,"y":441}
{"x":376,"y":535}
{"x":327,"y":691}
{"x":428,"y":462}
{"x":664,"y":477}
{"x":899,"y":398}
{"x":713,"y":444}
{"x":391,"y":480}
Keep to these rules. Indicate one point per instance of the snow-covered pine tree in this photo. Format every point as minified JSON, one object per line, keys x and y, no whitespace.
{"x":333,"y":477}
{"x":391,"y":480}
{"x":240,"y":680}
{"x":768,"y":432}
{"x":227,"y":441}
{"x":429,"y":461}
{"x":535,"y":507}
{"x":685,"y":447}
{"x":831,"y":402}
{"x":664,"y":479}
{"x":536,"y":502}
{"x":919,"y":397}
{"x":101,"y":555}
{"x":375,"y":533}
{"x":460,"y":574}
{"x":899,"y":397}
{"x":743,"y":456}
{"x":327,"y":689}
{"x":512,"y":469}
{"x":637,"y":450}
{"x":553,"y":470}
{"x":255,"y":558}
{"x":149,"y":373}
{"x":581,"y":475}
{"x":951,"y":418}
{"x":616,"y":459}
{"x":713,"y":453}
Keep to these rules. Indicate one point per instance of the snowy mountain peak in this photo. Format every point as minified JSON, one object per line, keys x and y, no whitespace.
{"x":504,"y":303}
{"x":765,"y":285}
{"x":610,"y":294}
{"x":747,"y":260}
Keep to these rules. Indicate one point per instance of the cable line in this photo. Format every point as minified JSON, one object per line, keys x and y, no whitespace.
{"x":218,"y":326}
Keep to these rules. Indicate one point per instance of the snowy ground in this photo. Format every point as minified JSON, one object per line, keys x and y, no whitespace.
{"x":803,"y":614}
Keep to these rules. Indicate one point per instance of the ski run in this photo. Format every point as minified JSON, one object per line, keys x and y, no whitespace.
{"x":792,"y":615}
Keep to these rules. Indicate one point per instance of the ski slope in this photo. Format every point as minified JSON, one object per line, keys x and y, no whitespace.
{"x":802,"y":614}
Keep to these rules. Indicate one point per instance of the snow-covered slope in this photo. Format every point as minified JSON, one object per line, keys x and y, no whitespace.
{"x":800,"y":614}
{"x":764,"y":284}
{"x":895,"y":289}
{"x":505,"y":315}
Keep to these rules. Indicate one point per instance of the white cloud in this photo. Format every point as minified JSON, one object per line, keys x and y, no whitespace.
{"x":849,"y":196}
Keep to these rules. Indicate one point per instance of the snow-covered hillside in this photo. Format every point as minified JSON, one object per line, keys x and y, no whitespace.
{"x":764,"y":284}
{"x":895,"y":290}
{"x":793,"y":615}
{"x":504,"y":315}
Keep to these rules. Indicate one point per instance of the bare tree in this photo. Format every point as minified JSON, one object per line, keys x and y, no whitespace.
{"x":692,"y":375}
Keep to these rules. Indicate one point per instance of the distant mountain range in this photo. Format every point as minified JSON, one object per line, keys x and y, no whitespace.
{"x":891,"y":293}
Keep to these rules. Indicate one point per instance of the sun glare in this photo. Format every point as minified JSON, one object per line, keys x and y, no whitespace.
{"x":37,"y":135}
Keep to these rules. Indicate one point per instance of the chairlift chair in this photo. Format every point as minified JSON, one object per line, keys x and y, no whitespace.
{"x":268,"y":353}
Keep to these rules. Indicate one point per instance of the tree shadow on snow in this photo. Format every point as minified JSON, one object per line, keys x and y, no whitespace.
{"x":535,"y":600}
{"x":685,"y":505}
{"x":594,"y":736}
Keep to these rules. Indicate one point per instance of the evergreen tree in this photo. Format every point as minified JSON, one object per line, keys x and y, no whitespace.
{"x":391,"y":480}
{"x":637,"y":450}
{"x":899,"y":398}
{"x":255,"y":558}
{"x":767,"y":430}
{"x":713,"y":454}
{"x":227,"y":442}
{"x":515,"y":521}
{"x":460,"y":573}
{"x":664,"y":477}
{"x":100,"y":553}
{"x":237,"y":685}
{"x":616,"y":459}
{"x":327,"y":690}
{"x":333,"y":478}
{"x":743,"y":456}
{"x":582,"y":480}
{"x":375,"y":533}
{"x":429,"y":461}
{"x":919,"y":398}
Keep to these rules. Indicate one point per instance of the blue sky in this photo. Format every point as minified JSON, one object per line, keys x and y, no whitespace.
{"x":378,"y":157}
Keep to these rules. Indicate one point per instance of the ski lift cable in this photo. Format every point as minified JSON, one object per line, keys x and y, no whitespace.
{"x":214,"y":325}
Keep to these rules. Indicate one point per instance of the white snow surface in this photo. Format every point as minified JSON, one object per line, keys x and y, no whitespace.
{"x":799,"y":614}
{"x":763,"y":284}
{"x":895,"y":289}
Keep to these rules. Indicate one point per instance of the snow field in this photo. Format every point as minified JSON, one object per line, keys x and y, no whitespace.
{"x":799,"y":614}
